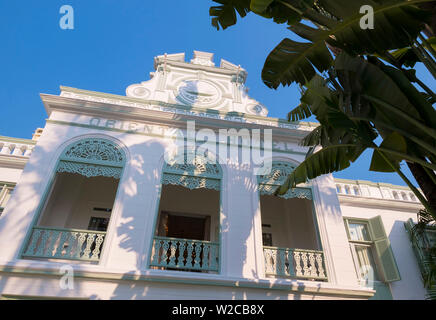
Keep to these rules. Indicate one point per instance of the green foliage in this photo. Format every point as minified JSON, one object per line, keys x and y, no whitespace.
{"x":354,"y":95}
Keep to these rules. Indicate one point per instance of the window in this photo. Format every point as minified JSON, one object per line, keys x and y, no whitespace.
{"x":395,"y":194}
{"x":372,"y":255}
{"x":403,"y":194}
{"x":98,"y":224}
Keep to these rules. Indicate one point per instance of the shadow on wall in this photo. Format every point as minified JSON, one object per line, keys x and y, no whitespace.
{"x":411,"y":286}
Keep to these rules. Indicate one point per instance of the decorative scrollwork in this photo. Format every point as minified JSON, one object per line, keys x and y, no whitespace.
{"x":100,"y":150}
{"x":193,"y":171}
{"x":190,"y":182}
{"x":279,"y":172}
{"x":269,"y":183}
{"x":89,"y":170}
{"x":92,"y":158}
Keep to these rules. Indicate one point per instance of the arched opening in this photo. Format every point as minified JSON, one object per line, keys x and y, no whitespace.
{"x":75,"y":214}
{"x":187,"y":230}
{"x":291,"y":242}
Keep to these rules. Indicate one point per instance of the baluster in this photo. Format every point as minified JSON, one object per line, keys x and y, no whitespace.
{"x":181,"y":257}
{"x":173,"y":249}
{"x":291,"y":262}
{"x":313,"y":272}
{"x":189,"y":256}
{"x":41,"y":248}
{"x":297,"y":264}
{"x":60,"y":247}
{"x":267,"y":256}
{"x":6,"y":149}
{"x":274,"y":265}
{"x":164,"y":257}
{"x":28,"y":151}
{"x":213,"y":257}
{"x":89,"y":242}
{"x":80,"y":240}
{"x":205,"y":260}
{"x":197,"y":255}
{"x":281,"y":267}
{"x":319,"y":261}
{"x":34,"y":239}
{"x":306,"y":270}
{"x":18,"y":150}
{"x":52,"y":243}
{"x":71,"y":245}
{"x":98,"y":242}
{"x":157,"y":247}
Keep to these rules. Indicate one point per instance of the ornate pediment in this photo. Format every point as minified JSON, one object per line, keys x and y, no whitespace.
{"x":198,"y":84}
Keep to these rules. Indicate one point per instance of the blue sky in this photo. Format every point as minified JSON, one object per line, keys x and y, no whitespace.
{"x":113,"y":45}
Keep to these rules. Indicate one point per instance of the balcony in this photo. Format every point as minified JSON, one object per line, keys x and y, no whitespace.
{"x":294,"y":263}
{"x":59,"y":243}
{"x":185,"y":254}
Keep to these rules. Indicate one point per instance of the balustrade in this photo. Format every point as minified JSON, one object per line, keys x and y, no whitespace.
{"x":185,"y":254}
{"x":294,"y":263}
{"x":71,"y":244}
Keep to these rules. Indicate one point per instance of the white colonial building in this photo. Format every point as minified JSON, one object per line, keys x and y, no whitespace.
{"x":98,"y":204}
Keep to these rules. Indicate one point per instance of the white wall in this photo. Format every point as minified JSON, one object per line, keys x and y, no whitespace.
{"x":10,"y":174}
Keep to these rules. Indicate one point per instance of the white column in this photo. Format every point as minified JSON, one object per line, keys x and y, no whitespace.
{"x":339,"y":262}
{"x":241,"y":233}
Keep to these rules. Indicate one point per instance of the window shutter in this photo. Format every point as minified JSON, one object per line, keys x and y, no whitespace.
{"x":388,"y":266}
{"x":376,"y":229}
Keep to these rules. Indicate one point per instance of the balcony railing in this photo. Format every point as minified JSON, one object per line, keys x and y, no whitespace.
{"x":58,"y":243}
{"x":184,"y":254}
{"x":294,"y":263}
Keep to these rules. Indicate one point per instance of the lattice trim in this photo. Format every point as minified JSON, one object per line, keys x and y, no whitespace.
{"x":193,"y":164}
{"x":89,"y":170}
{"x":190,"y":182}
{"x":300,"y":193}
{"x":279,"y":172}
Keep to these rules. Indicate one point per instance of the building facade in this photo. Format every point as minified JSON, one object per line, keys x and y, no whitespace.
{"x":141,"y":197}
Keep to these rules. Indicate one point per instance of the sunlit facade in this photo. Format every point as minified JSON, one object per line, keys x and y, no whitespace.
{"x":96,"y":205}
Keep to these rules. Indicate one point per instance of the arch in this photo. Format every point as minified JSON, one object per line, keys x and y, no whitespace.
{"x":192,"y":170}
{"x":92,"y":157}
{"x":271,"y":181}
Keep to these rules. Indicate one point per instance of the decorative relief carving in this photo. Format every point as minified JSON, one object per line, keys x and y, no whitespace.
{"x":95,"y":149}
{"x":198,"y":92}
{"x":257,"y":109}
{"x":199,"y":173}
{"x":269,"y":183}
{"x":174,"y":109}
{"x":92,"y":158}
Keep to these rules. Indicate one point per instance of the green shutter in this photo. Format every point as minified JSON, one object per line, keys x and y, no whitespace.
{"x":388,"y":266}
{"x":376,"y":228}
